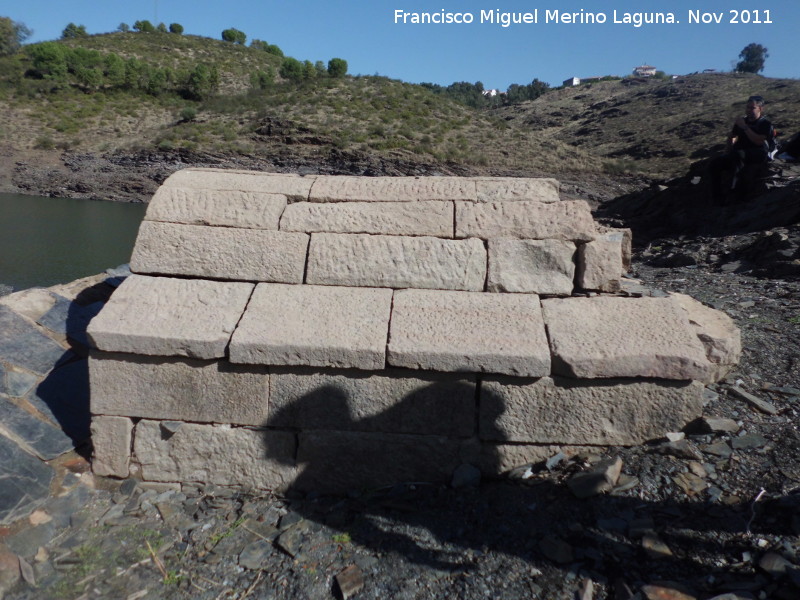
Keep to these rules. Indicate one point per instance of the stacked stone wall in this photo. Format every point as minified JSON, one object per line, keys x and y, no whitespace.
{"x":337,"y":332}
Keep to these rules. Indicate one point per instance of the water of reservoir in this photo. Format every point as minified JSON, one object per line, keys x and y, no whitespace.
{"x":45,"y":241}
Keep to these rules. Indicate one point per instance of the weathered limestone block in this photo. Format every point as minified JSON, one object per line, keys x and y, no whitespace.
{"x":339,"y":461}
{"x":396,"y":262}
{"x":111,"y":442}
{"x":600,"y":265}
{"x":505,"y":189}
{"x":531,"y":266}
{"x":387,"y":218}
{"x":220,"y":252}
{"x":717,"y":332}
{"x":392,"y":401}
{"x":569,"y":220}
{"x":314,"y":325}
{"x":170,"y":317}
{"x":178,"y":389}
{"x":463,"y":331}
{"x":625,"y":239}
{"x":605,"y":337}
{"x":227,"y":208}
{"x":220,"y":454}
{"x":342,"y":188}
{"x":295,"y":187}
{"x":567,"y":411}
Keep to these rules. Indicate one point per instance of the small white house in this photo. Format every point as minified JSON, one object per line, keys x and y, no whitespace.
{"x":644,"y":71}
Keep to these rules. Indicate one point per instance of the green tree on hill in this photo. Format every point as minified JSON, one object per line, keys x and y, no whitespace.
{"x":176,"y":28}
{"x":234,"y":36}
{"x":123,"y":27}
{"x":337,"y":67}
{"x":292,"y":69}
{"x":12,"y":34}
{"x":752,"y":58}
{"x":144,"y":26}
{"x":74,"y":31}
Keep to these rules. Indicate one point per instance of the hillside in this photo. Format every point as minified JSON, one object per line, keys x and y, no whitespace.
{"x":84,"y":133}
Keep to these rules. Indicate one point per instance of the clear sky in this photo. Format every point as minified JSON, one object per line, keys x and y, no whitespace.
{"x":366,"y":34}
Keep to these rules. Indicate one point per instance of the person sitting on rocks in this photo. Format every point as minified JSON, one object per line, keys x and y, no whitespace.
{"x":747,"y":145}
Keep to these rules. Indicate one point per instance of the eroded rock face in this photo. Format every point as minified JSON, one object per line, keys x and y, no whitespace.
{"x":370,"y":330}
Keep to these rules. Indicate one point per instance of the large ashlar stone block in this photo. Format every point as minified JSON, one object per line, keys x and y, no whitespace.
{"x":178,"y":389}
{"x":505,"y":189}
{"x":396,"y":262}
{"x":391,"y":189}
{"x":625,"y":239}
{"x":569,"y":220}
{"x":339,"y":461}
{"x":531,"y":266}
{"x":295,"y":187}
{"x":392,"y":401}
{"x":568,"y":411}
{"x":717,"y":332}
{"x":220,"y":252}
{"x":387,"y":218}
{"x":600,"y":265}
{"x":225,"y":208}
{"x":170,"y":317}
{"x":111,"y":443}
{"x":220,"y":454}
{"x":604,"y":337}
{"x":314,"y":325}
{"x":465,"y":331}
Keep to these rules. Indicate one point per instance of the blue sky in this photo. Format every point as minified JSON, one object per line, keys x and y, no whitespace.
{"x":364,"y":33}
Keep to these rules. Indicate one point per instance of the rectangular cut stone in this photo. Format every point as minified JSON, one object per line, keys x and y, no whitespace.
{"x":388,"y":218}
{"x":567,"y":411}
{"x":314,"y":325}
{"x":396,"y":262}
{"x":170,"y":317}
{"x":531,"y":266}
{"x":295,"y":187}
{"x":220,"y":252}
{"x":625,"y":239}
{"x":111,"y":445}
{"x":504,"y":189}
{"x":220,"y":454}
{"x":463,"y":331}
{"x":341,"y":188}
{"x":600,"y":265}
{"x":605,"y":337}
{"x":569,"y":220}
{"x":178,"y":389}
{"x":392,"y":401}
{"x":226,"y":208}
{"x":337,"y":461}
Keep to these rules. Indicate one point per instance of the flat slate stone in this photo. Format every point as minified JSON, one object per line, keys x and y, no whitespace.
{"x":180,"y":389}
{"x":70,"y":318}
{"x":220,"y":252}
{"x":23,"y":345}
{"x":505,"y":189}
{"x":342,"y":188}
{"x":392,"y":401}
{"x":24,"y":482}
{"x":567,"y":411}
{"x":531,"y":266}
{"x":170,"y":317}
{"x":217,"y":454}
{"x":569,"y":220}
{"x":18,"y":382}
{"x":227,"y":208}
{"x":44,"y":440}
{"x":314,"y":325}
{"x":396,"y":262}
{"x":466,"y":331}
{"x":387,"y":218}
{"x":63,"y":397}
{"x":295,"y":187}
{"x":604,"y":337}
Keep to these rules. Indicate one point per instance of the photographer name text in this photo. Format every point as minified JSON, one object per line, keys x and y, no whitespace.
{"x":582,"y":17}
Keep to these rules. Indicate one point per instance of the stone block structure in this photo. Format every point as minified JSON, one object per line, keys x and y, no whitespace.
{"x":331,"y":333}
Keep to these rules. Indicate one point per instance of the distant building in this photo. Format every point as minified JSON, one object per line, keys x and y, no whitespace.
{"x":490,"y":93}
{"x":644,"y":71}
{"x":573,"y":81}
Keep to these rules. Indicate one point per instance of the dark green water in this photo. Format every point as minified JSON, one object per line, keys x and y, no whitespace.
{"x":45,"y":241}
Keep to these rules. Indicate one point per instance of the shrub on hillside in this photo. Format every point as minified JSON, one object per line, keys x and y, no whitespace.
{"x":292,"y":69}
{"x":337,"y":67}
{"x":144,"y":26}
{"x":176,"y":28}
{"x":72,"y":31}
{"x":234,"y":36}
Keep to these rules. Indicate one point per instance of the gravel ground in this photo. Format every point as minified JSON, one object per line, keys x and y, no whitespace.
{"x":715,"y":513}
